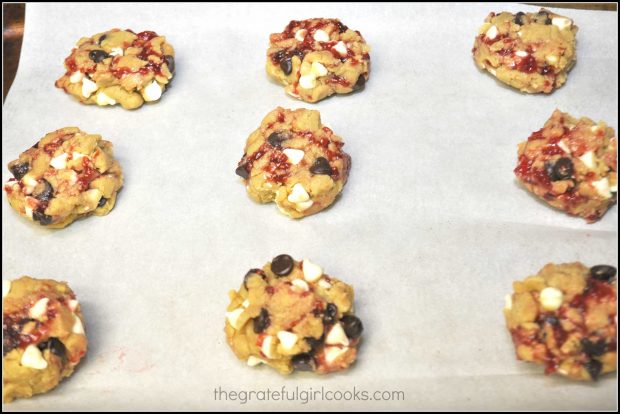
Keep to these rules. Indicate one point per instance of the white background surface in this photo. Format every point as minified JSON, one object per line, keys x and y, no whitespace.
{"x":431,"y":229}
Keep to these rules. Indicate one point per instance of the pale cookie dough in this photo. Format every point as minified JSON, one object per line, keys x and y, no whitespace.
{"x":316,"y":58}
{"x":565,"y":319}
{"x":532,"y":52}
{"x":68,"y":174}
{"x":119,"y":67}
{"x":292,"y":316}
{"x":571,"y":164}
{"x":43,"y":337}
{"x":295,"y":161}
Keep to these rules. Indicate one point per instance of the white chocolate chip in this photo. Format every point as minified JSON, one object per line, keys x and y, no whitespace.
{"x":117,"y":51}
{"x":73,"y":304}
{"x":152,"y":92}
{"x":325,"y":284}
{"x":588,"y":159}
{"x":300,"y":35}
{"x":337,"y":336}
{"x":300,"y":285}
{"x":594,"y":128}
{"x":59,"y":162}
{"x":39,"y":309}
{"x":73,"y":177}
{"x":332,"y":353}
{"x":287,"y":340}
{"x":508,"y":299}
{"x":317,"y":69}
{"x":29,"y":180}
{"x":33,"y":358}
{"x":76,"y":77}
{"x":88,"y":87}
{"x":491,"y":33}
{"x":522,"y":53}
{"x":307,"y":81}
{"x":103,"y":99}
{"x":78,"y":326}
{"x":28,"y":211}
{"x":294,"y":155}
{"x":341,"y":48}
{"x":267,"y":347}
{"x":312,"y":271}
{"x":562,"y":144}
{"x":6,"y":288}
{"x":551,"y":298}
{"x":553,"y":59}
{"x":304,"y":205}
{"x":246,"y":303}
{"x":298,"y":194}
{"x":321,"y":36}
{"x":254,"y":361}
{"x":561,"y":22}
{"x":233,"y":317}
{"x":602,"y":187}
{"x":76,"y":155}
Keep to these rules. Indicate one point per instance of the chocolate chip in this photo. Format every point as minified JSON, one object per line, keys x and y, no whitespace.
{"x":286,"y":65}
{"x":262,"y":321}
{"x":102,"y":202}
{"x":552,"y":320}
{"x":54,"y":345}
{"x":321,"y":166}
{"x":341,"y":27}
{"x":303,"y":362}
{"x":277,"y":138}
{"x":41,"y":217}
{"x":604,"y":273}
{"x":101,"y":39}
{"x":360,"y":83}
{"x":562,"y":169}
{"x":97,"y":55}
{"x":591,"y":348}
{"x":352,"y":326}
{"x":19,"y":170}
{"x":330,"y":314}
{"x":242,"y":172}
{"x":253,"y":272}
{"x":594,"y":368}
{"x":314,"y":343}
{"x":282,"y":265}
{"x":169,"y":59}
{"x":519,"y":18}
{"x":548,"y":21}
{"x":43,"y":191}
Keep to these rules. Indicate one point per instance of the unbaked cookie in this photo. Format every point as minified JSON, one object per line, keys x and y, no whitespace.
{"x":295,"y":161}
{"x":565,"y":319}
{"x":316,"y":58}
{"x":571,"y":164}
{"x":119,"y":67}
{"x":532,"y":52}
{"x":68,"y":174}
{"x":43,"y":336}
{"x":291,"y":316}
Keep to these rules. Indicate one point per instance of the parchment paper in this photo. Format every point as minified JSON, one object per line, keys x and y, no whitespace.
{"x":431,"y":229}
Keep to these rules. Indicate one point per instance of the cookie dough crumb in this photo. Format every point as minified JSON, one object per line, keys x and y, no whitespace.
{"x":564,"y":318}
{"x":571,"y":164}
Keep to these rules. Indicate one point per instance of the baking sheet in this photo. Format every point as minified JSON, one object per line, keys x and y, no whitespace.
{"x":431,"y":229}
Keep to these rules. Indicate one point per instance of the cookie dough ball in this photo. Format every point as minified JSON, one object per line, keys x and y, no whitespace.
{"x":571,"y":164}
{"x":316,"y":58}
{"x":43,"y":336}
{"x":295,"y":161}
{"x":532,"y":52}
{"x":119,"y":67}
{"x":291,"y":316}
{"x":565,"y":319}
{"x":68,"y":174}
